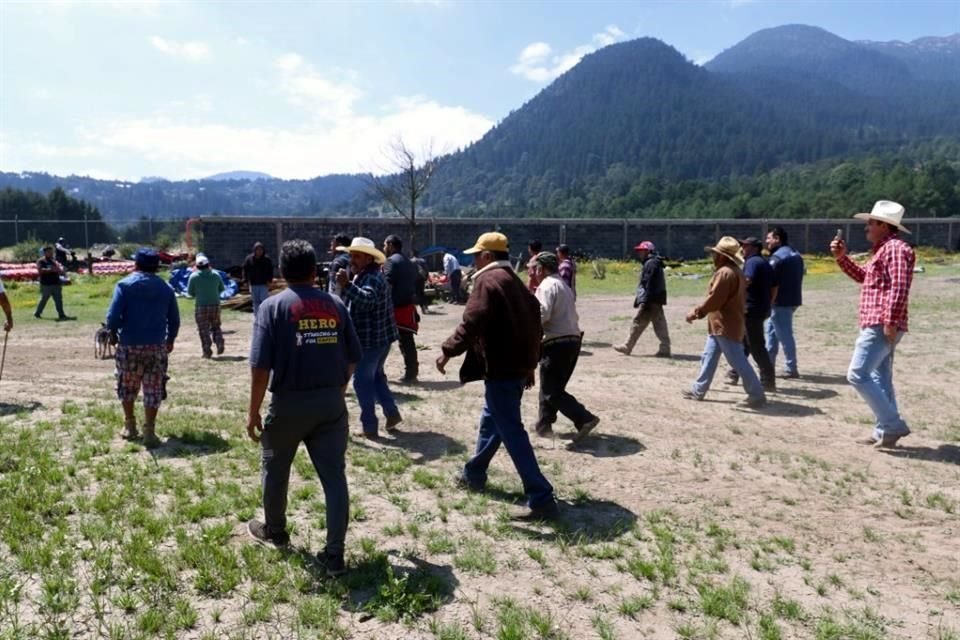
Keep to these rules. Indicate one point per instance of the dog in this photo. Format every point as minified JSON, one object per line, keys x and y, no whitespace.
{"x":103,"y":343}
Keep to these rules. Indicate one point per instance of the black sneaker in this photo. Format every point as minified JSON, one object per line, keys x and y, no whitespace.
{"x":584,"y":429}
{"x":543,"y":513}
{"x":221,"y":348}
{"x":466,"y":485}
{"x":889,"y":441}
{"x":392,"y":422}
{"x":37,"y":316}
{"x":258,"y":531}
{"x":543,"y":430}
{"x":789,"y":375}
{"x":690,"y":395}
{"x":334,"y":565}
{"x":662,"y":354}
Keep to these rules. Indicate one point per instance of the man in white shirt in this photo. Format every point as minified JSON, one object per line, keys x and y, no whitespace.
{"x":451,"y":268}
{"x":560,"y":350}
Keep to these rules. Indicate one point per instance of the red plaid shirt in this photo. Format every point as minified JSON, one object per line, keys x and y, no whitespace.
{"x":885,"y":282}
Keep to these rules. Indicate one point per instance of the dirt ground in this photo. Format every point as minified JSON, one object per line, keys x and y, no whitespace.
{"x":681,"y":518}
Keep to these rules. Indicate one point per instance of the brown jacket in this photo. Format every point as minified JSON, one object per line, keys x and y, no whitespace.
{"x":500,"y":331}
{"x":725,"y":303}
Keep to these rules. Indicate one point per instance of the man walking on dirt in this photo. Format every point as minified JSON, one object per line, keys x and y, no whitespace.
{"x":559,"y":350}
{"x":649,"y":302}
{"x":788,"y":271}
{"x":305,"y":347}
{"x":205,"y":286}
{"x":368,"y":298}
{"x":146,"y":320}
{"x":50,"y":271}
{"x":258,"y":272}
{"x":884,"y":297}
{"x":759,"y":275}
{"x":568,"y":268}
{"x":401,"y":274}
{"x":500,"y":334}
{"x":724,"y":309}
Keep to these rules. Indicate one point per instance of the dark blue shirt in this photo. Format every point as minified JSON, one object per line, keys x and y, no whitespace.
{"x":144,"y":310}
{"x":306,"y":338}
{"x":787,"y":277}
{"x":760,"y":274}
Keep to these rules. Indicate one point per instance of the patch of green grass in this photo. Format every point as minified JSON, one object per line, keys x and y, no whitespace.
{"x":630,"y":607}
{"x":475,"y":555}
{"x":725,"y":602}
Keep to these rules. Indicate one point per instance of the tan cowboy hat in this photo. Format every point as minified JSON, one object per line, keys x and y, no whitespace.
{"x":886,"y":211}
{"x":364,"y":245}
{"x":492,"y":241}
{"x":728,"y":247}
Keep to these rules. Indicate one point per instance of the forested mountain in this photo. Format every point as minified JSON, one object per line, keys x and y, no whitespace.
{"x":635,"y":129}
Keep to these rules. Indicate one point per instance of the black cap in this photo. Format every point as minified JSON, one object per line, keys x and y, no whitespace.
{"x":751,"y":240}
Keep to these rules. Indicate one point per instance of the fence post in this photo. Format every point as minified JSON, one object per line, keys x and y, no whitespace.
{"x":950,"y":236}
{"x":86,"y":232}
{"x":806,"y":238}
{"x":626,"y":241}
{"x":716,"y":233}
{"x":669,"y":239}
{"x":279,"y":227}
{"x":16,"y":229}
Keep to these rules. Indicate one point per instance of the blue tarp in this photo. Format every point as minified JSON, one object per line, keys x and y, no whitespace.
{"x":179,"y":277}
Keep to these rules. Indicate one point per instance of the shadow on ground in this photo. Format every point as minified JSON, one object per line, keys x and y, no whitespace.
{"x":10,"y":409}
{"x":680,"y":357}
{"x":825,"y":378}
{"x":584,"y":521}
{"x":605,"y":445}
{"x":190,"y":445}
{"x":947,"y":453}
{"x":439,"y":385}
{"x":426,"y":445}
{"x":229,"y":358}
{"x":786,"y":409}
{"x":806,"y":394}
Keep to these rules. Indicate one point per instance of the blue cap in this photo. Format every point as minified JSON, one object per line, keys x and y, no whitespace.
{"x":147,"y":258}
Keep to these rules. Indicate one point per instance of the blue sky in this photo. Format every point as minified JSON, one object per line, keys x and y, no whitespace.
{"x":116,"y":89}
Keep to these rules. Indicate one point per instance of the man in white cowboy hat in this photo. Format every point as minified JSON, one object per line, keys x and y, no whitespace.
{"x":368,"y":298}
{"x":724,"y":309}
{"x":884,"y":293}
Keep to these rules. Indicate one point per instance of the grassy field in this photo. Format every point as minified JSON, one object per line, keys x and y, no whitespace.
{"x":680,"y":520}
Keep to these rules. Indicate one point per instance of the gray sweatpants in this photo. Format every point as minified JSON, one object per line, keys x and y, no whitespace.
{"x":318,"y":419}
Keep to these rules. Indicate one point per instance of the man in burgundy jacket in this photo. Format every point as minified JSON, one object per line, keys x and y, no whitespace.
{"x":500,"y":335}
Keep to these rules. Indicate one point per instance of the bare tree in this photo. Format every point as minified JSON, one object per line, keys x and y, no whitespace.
{"x":404,"y":182}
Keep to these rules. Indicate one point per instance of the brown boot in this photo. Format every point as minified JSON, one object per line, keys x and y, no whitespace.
{"x":129,"y":430}
{"x":150,"y":438}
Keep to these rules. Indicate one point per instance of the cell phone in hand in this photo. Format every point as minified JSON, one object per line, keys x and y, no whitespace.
{"x":839,"y":236}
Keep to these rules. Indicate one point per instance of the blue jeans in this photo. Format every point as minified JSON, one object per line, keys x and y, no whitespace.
{"x":733,"y":352}
{"x":779,"y":330}
{"x":258,"y":293}
{"x":370,"y":385}
{"x":500,"y":422}
{"x":871,"y":374}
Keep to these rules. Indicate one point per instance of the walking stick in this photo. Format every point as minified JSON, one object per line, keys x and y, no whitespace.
{"x":3,"y":358}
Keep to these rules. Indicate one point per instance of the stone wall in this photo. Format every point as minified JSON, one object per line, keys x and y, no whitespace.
{"x":228,"y":240}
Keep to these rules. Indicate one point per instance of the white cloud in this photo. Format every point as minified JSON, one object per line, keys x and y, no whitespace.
{"x":305,"y":87}
{"x":538,"y":62}
{"x":352,"y":144}
{"x":189,"y":50}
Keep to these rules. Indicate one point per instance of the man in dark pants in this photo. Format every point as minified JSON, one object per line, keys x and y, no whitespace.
{"x":500,"y":335}
{"x":305,"y":338}
{"x":560,"y":350}
{"x":650,"y":299}
{"x":258,"y":272}
{"x":49,"y":271}
{"x":401,"y":275}
{"x":759,"y":275}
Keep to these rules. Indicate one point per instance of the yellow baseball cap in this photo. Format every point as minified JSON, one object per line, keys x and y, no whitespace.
{"x":492,"y":241}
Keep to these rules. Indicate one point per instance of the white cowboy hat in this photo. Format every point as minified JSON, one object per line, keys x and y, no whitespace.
{"x":365,"y":245}
{"x":886,"y":211}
